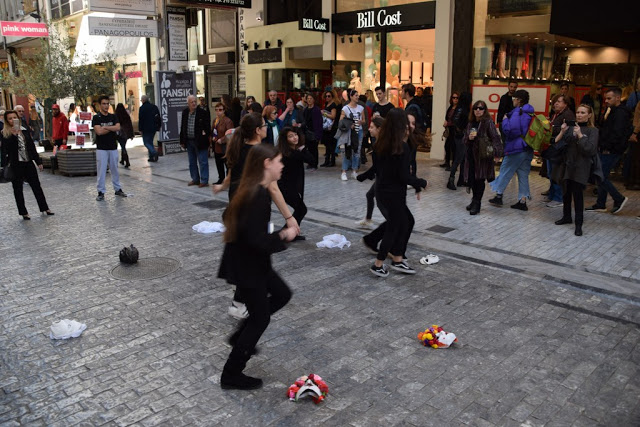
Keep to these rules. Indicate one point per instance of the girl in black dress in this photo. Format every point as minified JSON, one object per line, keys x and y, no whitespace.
{"x":247,"y":235}
{"x":291,"y":184}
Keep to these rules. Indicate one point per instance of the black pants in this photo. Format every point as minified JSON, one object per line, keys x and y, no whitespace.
{"x":123,"y":150}
{"x":449,"y":147}
{"x":312,"y":146}
{"x":573,"y":190}
{"x":477,"y":185}
{"x":458,"y":158}
{"x":295,"y":200}
{"x":371,"y":196}
{"x":220,"y":166}
{"x":26,"y":171}
{"x":330,"y":147}
{"x":397,"y":228}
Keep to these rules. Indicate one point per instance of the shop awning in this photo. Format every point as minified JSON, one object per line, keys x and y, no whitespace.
{"x":583,"y":20}
{"x":93,"y":49}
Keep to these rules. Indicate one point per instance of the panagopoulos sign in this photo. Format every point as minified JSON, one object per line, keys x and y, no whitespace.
{"x":311,"y":24}
{"x":122,"y":27}
{"x":406,"y":17}
{"x":24,"y":29}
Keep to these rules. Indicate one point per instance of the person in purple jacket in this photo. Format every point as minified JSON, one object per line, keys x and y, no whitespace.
{"x":517,"y":154}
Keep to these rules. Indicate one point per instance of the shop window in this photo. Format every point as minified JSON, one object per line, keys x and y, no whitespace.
{"x":62,"y":8}
{"x":222,"y":29}
{"x":500,"y":8}
{"x":279,"y":11}
{"x":351,"y":5}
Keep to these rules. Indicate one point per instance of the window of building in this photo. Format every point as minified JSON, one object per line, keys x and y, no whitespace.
{"x":279,"y":11}
{"x":62,"y":8}
{"x":221,"y":32}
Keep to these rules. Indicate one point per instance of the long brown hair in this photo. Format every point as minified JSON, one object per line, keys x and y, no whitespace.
{"x":485,"y":116}
{"x":246,"y":132}
{"x":283,"y":142}
{"x":392,"y":133}
{"x":252,"y":176}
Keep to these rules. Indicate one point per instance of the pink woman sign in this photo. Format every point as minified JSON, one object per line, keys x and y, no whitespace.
{"x":23,"y":29}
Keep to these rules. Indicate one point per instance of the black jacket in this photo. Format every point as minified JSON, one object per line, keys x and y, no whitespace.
{"x":10,"y":148}
{"x":253,"y":243}
{"x":393,"y":174}
{"x":292,"y":178}
{"x":148,"y":118}
{"x":506,"y":105}
{"x":202,"y":128}
{"x":614,"y":132}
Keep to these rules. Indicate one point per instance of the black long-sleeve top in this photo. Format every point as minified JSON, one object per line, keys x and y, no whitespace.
{"x":613,"y":137}
{"x":292,"y":178}
{"x":393,"y":173}
{"x":246,"y":262}
{"x":10,"y":148}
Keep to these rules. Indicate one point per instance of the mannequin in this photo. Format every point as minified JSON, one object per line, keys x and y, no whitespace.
{"x":355,"y":82}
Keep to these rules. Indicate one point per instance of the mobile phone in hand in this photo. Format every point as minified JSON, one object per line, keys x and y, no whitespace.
{"x":570,"y":123}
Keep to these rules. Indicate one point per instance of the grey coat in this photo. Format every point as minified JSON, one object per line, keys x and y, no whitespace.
{"x":577,"y":161}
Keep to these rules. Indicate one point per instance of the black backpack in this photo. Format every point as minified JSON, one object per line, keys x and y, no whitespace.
{"x":129,"y":255}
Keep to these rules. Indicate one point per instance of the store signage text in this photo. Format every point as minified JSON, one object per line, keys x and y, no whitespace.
{"x":369,"y":19}
{"x":24,"y":29}
{"x":122,"y":27}
{"x":135,"y":7}
{"x":311,"y":24}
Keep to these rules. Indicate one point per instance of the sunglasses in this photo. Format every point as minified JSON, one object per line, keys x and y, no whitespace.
{"x":598,"y":88}
{"x":479,"y":108}
{"x":219,"y":109}
{"x":454,"y":97}
{"x":328,"y":96}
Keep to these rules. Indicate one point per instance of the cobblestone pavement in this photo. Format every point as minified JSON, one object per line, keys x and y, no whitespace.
{"x":549,"y":323}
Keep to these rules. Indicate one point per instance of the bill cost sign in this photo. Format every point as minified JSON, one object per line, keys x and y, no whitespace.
{"x":172,"y":90}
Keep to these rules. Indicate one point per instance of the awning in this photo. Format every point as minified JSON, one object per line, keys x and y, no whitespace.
{"x":92,"y":49}
{"x":620,"y":29}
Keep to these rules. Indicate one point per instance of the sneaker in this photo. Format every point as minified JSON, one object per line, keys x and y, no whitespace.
{"x":344,"y":176}
{"x":617,"y":208}
{"x":381,"y":271}
{"x":520,"y":205}
{"x":596,"y":208}
{"x":238,"y":310}
{"x":354,"y":175}
{"x":554,"y":204}
{"x":546,"y":200}
{"x":121,"y":193}
{"x":369,"y":246}
{"x":100,"y":197}
{"x":402,"y":267}
{"x":496,"y":201}
{"x":365,"y":223}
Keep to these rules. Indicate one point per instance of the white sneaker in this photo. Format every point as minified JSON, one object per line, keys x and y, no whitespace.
{"x":365,"y":223}
{"x":238,"y":310}
{"x":354,"y":174}
{"x":554,"y":204}
{"x":344,"y":176}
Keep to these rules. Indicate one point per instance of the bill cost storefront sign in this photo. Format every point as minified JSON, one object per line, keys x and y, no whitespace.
{"x":122,"y":27}
{"x":402,"y":17}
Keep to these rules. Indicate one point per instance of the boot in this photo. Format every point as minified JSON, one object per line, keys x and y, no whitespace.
{"x":232,"y":376}
{"x":496,"y":201}
{"x":578,"y":230}
{"x":450,"y":184}
{"x":564,"y":220}
{"x":125,"y":160}
{"x":445,"y":165}
{"x":475,"y":208}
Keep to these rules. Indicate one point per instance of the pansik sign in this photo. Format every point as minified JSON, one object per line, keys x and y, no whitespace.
{"x":412,"y":16}
{"x":172,"y":90}
{"x":177,"y":28}
{"x":122,"y":27}
{"x":24,"y":29}
{"x":130,"y":7}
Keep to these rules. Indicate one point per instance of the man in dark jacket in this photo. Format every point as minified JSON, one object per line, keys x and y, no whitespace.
{"x":614,"y":136}
{"x":506,"y":105}
{"x":413,"y":104}
{"x":275,"y":101}
{"x":194,"y":136}
{"x":148,"y":124}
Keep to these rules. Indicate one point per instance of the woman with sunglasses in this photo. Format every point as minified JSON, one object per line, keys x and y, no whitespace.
{"x":221,"y":125}
{"x":449,"y":132}
{"x":478,"y":167}
{"x":329,"y":127}
{"x":460,"y":120}
{"x":354,"y":111}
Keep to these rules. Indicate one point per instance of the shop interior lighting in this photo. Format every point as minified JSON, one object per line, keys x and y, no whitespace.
{"x":267,"y":44}
{"x":256,"y":46}
{"x":350,"y":39}
{"x":280,"y":43}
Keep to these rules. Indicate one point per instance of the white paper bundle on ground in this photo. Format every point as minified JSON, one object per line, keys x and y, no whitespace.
{"x":66,"y":329}
{"x":334,"y":241}
{"x":206,"y":227}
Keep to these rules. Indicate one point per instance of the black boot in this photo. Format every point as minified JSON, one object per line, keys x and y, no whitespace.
{"x":232,"y":376}
{"x":564,"y":220}
{"x":578,"y":230}
{"x":450,"y":184}
{"x":475,"y":208}
{"x":125,"y":159}
{"x":445,"y":165}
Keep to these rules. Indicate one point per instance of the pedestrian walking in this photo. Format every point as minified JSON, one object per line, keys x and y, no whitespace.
{"x":125,"y":133}
{"x":106,"y":127}
{"x":20,"y":152}
{"x":291,"y":184}
{"x":483,"y":145}
{"x":59,"y":128}
{"x":195,"y":130}
{"x":517,"y":154}
{"x":506,"y":104}
{"x":247,"y":235}
{"x":149,"y":122}
{"x":561,"y":114}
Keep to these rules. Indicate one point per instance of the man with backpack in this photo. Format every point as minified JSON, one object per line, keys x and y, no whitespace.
{"x":149,"y":123}
{"x":413,"y":105}
{"x":614,"y":136}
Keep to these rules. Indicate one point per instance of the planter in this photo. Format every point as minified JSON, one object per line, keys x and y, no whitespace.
{"x":77,"y":162}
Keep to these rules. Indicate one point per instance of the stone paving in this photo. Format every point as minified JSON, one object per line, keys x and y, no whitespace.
{"x":545,"y":341}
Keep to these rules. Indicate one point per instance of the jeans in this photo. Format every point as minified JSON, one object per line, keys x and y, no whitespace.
{"x":104,"y":158}
{"x":147,"y":139}
{"x":555,"y":191}
{"x":609,"y":161}
{"x":196,"y":157}
{"x":354,"y":161}
{"x":520,"y":164}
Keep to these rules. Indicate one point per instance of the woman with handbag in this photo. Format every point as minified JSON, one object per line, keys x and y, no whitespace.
{"x":221,"y":125}
{"x":355,"y":112}
{"x":21,"y":152}
{"x":483,"y":144}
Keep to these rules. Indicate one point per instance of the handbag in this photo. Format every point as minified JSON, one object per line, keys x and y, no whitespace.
{"x":8,"y":173}
{"x":445,"y":134}
{"x":485,"y":148}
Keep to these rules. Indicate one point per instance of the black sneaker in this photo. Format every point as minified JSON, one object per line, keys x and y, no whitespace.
{"x":596,"y":208}
{"x":496,"y":201}
{"x":239,"y":382}
{"x":617,"y":208}
{"x":520,"y":205}
{"x":100,"y":197}
{"x":121,"y":193}
{"x":402,"y":267}
{"x":381,"y":271}
{"x":371,"y":248}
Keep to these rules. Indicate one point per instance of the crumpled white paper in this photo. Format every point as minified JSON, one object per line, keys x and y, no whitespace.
{"x":334,"y":241}
{"x":66,"y":329}
{"x":429,"y":259}
{"x":207,"y":227}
